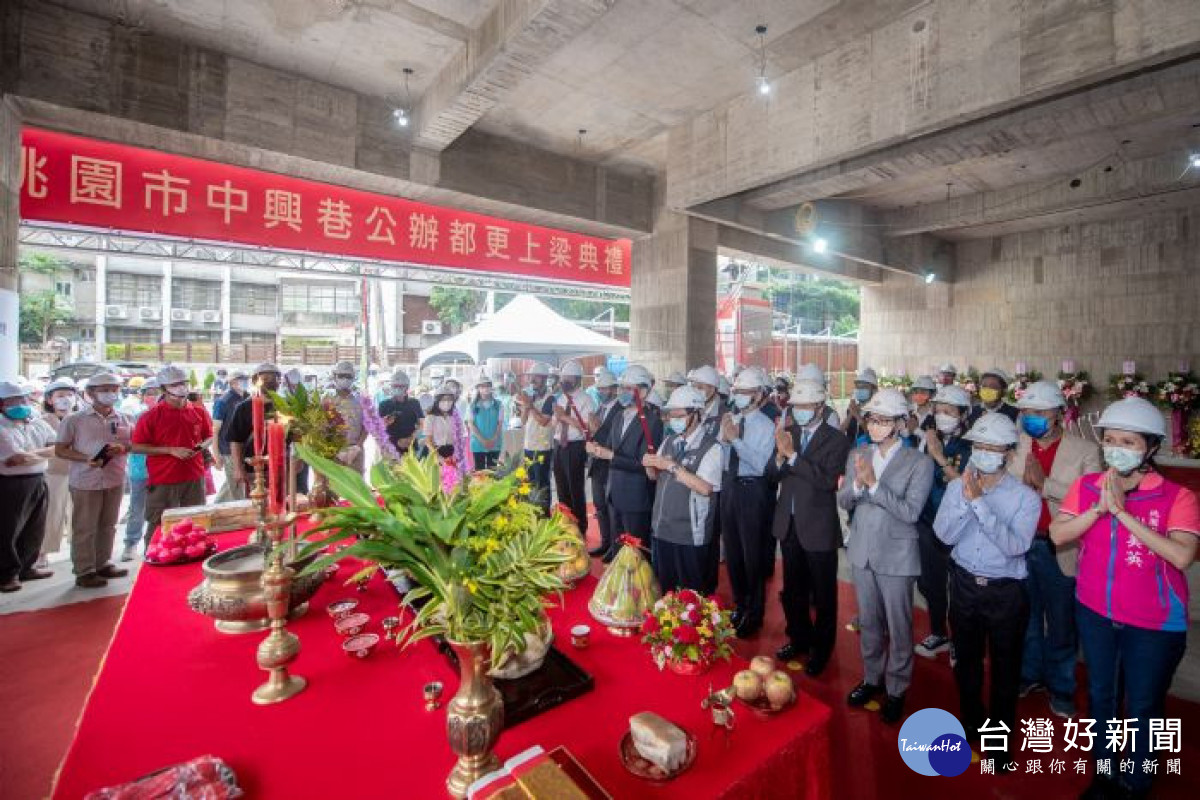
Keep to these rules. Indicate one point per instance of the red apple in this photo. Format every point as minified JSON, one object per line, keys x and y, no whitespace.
{"x":175,"y":553}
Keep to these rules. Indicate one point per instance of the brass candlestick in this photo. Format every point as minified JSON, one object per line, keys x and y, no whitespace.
{"x":258,"y":495}
{"x":281,"y":646}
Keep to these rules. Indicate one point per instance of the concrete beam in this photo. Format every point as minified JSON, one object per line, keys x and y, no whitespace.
{"x":1102,"y":192}
{"x":793,"y":256}
{"x":510,"y":45}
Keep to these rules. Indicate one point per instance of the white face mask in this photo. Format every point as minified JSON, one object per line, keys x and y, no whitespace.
{"x":446,"y":405}
{"x":106,"y":398}
{"x":988,"y":462}
{"x":343,"y":383}
{"x":946,"y":423}
{"x":742,"y":401}
{"x":880,"y":431}
{"x":63,"y":403}
{"x":180,"y":390}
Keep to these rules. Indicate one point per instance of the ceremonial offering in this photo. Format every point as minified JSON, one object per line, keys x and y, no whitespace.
{"x":340,"y":608}
{"x":215,"y":518}
{"x":360,"y":646}
{"x":528,"y":658}
{"x":203,"y":778}
{"x":316,"y":423}
{"x":281,"y":647}
{"x":184,"y":543}
{"x":232,"y":591}
{"x":433,"y":695}
{"x":767,"y":694}
{"x":580,"y":634}
{"x":748,"y":686}
{"x":390,"y":627}
{"x":687,"y":632}
{"x":578,"y":563}
{"x":534,"y":774}
{"x":626,"y":591}
{"x":762,"y":666}
{"x":656,"y":749}
{"x":483,"y":562}
{"x":351,"y":624}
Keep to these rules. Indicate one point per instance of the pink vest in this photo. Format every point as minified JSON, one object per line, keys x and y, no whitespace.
{"x":1119,"y":576}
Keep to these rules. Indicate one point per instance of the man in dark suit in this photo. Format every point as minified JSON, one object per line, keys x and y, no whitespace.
{"x":810,"y":457}
{"x":608,"y":410}
{"x":630,"y":488}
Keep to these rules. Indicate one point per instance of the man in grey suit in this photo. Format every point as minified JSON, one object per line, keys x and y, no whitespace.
{"x":886,"y":487}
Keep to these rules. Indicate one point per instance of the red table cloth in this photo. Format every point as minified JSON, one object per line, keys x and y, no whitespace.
{"x":171,"y":688}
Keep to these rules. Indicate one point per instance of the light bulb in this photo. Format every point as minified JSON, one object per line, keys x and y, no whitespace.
{"x":401,"y":117}
{"x":764,"y":86}
{"x":819,"y":245}
{"x":1195,"y":160}
{"x":930,"y":277}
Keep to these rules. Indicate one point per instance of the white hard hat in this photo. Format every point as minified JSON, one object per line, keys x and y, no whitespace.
{"x":953,"y":396}
{"x":996,"y":372}
{"x":867,"y":375}
{"x":811,"y":372}
{"x":540,"y":369}
{"x":241,"y":373}
{"x":293,"y":376}
{"x":60,"y":383}
{"x":1042,"y":396}
{"x":924,"y":383}
{"x":636,"y":375}
{"x":483,"y":380}
{"x":807,"y":391}
{"x":102,"y":379}
{"x":267,"y":366}
{"x":597,"y":371}
{"x":10,"y":389}
{"x":724,"y":387}
{"x":887,"y":403}
{"x":993,"y":428}
{"x":605,"y":380}
{"x":686,"y":398}
{"x":948,"y":368}
{"x":676,"y":378}
{"x":151,"y":383}
{"x":345,"y":367}
{"x":571,"y":369}
{"x":1133,"y":414}
{"x":706,"y":375}
{"x":751,"y":378}
{"x":400,"y":377}
{"x":169,"y":375}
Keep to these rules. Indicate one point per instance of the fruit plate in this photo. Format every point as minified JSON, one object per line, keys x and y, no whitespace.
{"x":209,"y":549}
{"x":762,"y":706}
{"x":647,"y":770}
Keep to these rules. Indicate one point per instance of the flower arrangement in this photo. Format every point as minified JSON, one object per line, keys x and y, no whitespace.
{"x":901,"y":382}
{"x":314,"y":421}
{"x":483,"y":560}
{"x":377,"y":428}
{"x":1020,"y":382}
{"x":685,"y":629}
{"x":969,"y":381}
{"x":1179,"y":392}
{"x":1076,"y":387}
{"x":1121,"y":386}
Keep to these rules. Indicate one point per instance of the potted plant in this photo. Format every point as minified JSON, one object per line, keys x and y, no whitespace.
{"x":314,"y":423}
{"x":482,"y":559}
{"x":687,"y":632}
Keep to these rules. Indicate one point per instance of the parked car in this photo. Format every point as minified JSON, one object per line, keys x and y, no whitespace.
{"x":82,"y":370}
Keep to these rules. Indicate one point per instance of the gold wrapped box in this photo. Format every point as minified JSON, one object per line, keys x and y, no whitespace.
{"x":218,"y":517}
{"x":537,"y":775}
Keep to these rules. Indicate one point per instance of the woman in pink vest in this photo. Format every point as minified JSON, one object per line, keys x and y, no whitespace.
{"x":1137,"y":536}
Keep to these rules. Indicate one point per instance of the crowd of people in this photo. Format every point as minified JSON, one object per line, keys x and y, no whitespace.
{"x":1027,"y":541}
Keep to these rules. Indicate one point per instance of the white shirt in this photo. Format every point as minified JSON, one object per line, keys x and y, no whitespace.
{"x":537,"y":437}
{"x":24,"y":437}
{"x":879,"y":462}
{"x":585,"y":407}
{"x":709,"y":469}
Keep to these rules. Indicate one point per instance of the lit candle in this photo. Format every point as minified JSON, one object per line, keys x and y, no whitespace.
{"x":1068,"y":365}
{"x":275,"y":477}
{"x":258,"y":409}
{"x":1129,"y":368}
{"x":1021,"y":368}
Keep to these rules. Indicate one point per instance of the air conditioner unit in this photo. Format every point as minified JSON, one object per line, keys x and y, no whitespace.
{"x":181,"y":315}
{"x":116,"y":312}
{"x":149,"y":312}
{"x":431,"y":327}
{"x":211,"y":317}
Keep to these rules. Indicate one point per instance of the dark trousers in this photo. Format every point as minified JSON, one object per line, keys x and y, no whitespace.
{"x":538,"y":467}
{"x":486,"y":460}
{"x":599,"y":480}
{"x":570,"y":479}
{"x":166,"y":496}
{"x":679,"y":566}
{"x":22,"y":523}
{"x":809,"y":584}
{"x":745,"y":513}
{"x":636,"y":523}
{"x":1141,"y":660}
{"x":712,"y":564}
{"x":987,"y":621}
{"x":935,"y":560}
{"x":1050,"y":641}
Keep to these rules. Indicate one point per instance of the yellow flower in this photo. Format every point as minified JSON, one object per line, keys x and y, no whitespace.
{"x":520,"y":473}
{"x":523,"y":489}
{"x":471,"y":585}
{"x":512,"y":501}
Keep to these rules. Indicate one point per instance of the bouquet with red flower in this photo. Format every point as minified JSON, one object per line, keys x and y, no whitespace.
{"x":687,"y":631}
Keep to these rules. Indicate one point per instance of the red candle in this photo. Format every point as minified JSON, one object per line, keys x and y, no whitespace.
{"x":275,"y":480}
{"x":258,"y":408}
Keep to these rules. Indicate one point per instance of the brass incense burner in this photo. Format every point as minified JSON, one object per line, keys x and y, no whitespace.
{"x":233,"y":594}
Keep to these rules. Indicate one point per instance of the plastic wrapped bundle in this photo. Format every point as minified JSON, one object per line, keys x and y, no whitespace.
{"x":626,"y":591}
{"x":579,"y":564}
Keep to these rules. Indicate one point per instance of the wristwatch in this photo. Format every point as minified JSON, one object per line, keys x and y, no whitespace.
{"x":674,"y":469}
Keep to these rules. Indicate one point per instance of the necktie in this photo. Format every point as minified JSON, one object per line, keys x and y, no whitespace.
{"x":804,"y":437}
{"x":679,"y":446}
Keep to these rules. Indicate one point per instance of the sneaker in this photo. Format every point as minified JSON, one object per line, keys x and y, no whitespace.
{"x":1029,"y":687}
{"x":129,"y":552}
{"x":1062,"y":707}
{"x":931,"y":645}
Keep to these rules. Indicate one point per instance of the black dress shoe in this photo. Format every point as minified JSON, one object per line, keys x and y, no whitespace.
{"x":12,"y":585}
{"x":893,"y":710}
{"x":815,"y":666}
{"x":34,"y":574}
{"x":862,"y":694}
{"x":735,"y":619}
{"x":790,"y":651}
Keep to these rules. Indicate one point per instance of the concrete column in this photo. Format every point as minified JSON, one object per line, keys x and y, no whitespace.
{"x":226,"y":322}
{"x":674,"y":295}
{"x":10,"y":224}
{"x":101,"y":302}
{"x":166,"y":302}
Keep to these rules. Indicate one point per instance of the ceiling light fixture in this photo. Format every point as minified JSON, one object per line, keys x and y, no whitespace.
{"x":819,"y":245}
{"x":764,"y":85}
{"x":930,"y":277}
{"x":401,"y":113}
{"x":1194,"y":160}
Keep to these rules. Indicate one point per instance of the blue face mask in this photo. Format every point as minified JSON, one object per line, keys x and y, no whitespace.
{"x":625,"y":398}
{"x":741,"y":401}
{"x":1037,"y":427}
{"x":803,"y":416}
{"x":677,"y":424}
{"x":862,"y":395}
{"x":18,"y":413}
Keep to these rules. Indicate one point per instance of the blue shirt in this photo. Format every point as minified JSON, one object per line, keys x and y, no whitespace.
{"x":991,"y":533}
{"x":756,"y":444}
{"x":487,"y":420}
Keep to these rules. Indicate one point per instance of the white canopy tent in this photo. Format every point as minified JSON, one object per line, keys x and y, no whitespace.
{"x":525,"y":328}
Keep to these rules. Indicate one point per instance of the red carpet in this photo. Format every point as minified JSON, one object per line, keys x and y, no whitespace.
{"x":45,"y":675}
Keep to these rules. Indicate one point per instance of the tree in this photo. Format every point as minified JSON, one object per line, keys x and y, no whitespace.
{"x":42,"y":310}
{"x":819,"y":303}
{"x":455,"y":306}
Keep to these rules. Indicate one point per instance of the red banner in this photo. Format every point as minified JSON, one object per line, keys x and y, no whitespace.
{"x":71,"y":179}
